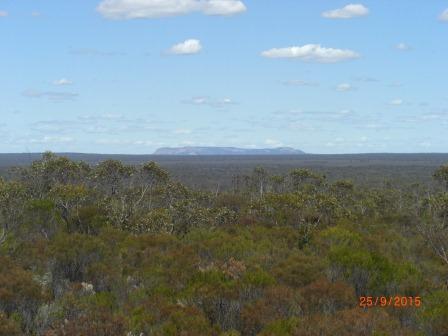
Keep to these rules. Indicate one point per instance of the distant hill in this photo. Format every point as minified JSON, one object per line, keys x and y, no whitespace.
{"x":226,"y":151}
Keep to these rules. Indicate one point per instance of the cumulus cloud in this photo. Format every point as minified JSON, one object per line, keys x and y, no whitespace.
{"x":206,"y":101}
{"x":344,"y":112}
{"x":3,"y":13}
{"x":444,"y":16}
{"x":148,"y":9}
{"x":51,"y":139}
{"x":312,"y":53}
{"x":188,"y":47}
{"x":223,"y":7}
{"x":396,"y":102}
{"x":347,"y":12}
{"x":344,"y":87}
{"x":273,"y":143}
{"x":62,"y":82}
{"x":199,"y":100}
{"x":403,"y":46}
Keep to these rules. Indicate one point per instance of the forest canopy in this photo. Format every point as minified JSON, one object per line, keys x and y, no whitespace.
{"x":115,"y":249}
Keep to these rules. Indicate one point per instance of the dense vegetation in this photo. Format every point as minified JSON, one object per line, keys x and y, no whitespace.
{"x":115,"y":249}
{"x":212,"y":172}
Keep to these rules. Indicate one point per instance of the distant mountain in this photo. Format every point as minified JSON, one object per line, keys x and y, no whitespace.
{"x":226,"y":151}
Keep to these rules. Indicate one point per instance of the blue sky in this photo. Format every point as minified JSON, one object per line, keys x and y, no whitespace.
{"x":129,"y":76}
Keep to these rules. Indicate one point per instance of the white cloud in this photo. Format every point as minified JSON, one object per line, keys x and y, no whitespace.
{"x":403,"y":46}
{"x":188,"y":47}
{"x":396,"y":102}
{"x":347,"y":12}
{"x":62,"y":81}
{"x":51,"y":139}
{"x":3,"y":13}
{"x":227,"y":101}
{"x":312,"y":53}
{"x":199,"y":100}
{"x":182,"y":131}
{"x":344,"y":87}
{"x":51,"y":95}
{"x":148,"y":9}
{"x":36,"y":14}
{"x":119,"y":142}
{"x":345,"y":112}
{"x":223,"y":7}
{"x":206,"y":101}
{"x":444,"y":16}
{"x":366,"y":79}
{"x":273,"y":143}
{"x":425,"y":144}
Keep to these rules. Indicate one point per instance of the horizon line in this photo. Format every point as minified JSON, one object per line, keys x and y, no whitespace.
{"x":153,"y":154}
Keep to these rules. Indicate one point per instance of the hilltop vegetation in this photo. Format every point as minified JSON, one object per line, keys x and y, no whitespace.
{"x":116,"y":249}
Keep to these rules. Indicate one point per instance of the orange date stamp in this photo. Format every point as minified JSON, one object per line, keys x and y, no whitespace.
{"x":390,"y":301}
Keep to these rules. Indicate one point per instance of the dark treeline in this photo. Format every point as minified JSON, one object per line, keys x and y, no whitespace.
{"x":209,"y":172}
{"x":116,"y":249}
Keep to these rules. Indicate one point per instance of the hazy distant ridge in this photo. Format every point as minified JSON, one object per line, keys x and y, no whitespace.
{"x":226,"y":151}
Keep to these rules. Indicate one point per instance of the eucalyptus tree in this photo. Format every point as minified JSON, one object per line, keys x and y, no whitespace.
{"x":301,"y":177}
{"x":441,"y":175}
{"x":13,"y":197}
{"x":434,"y":224}
{"x":434,"y":217}
{"x":50,"y":171}
{"x":112,"y":176}
{"x":260,"y":178}
{"x":149,"y":176}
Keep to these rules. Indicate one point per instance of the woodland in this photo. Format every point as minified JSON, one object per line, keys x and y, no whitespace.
{"x":116,"y":249}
